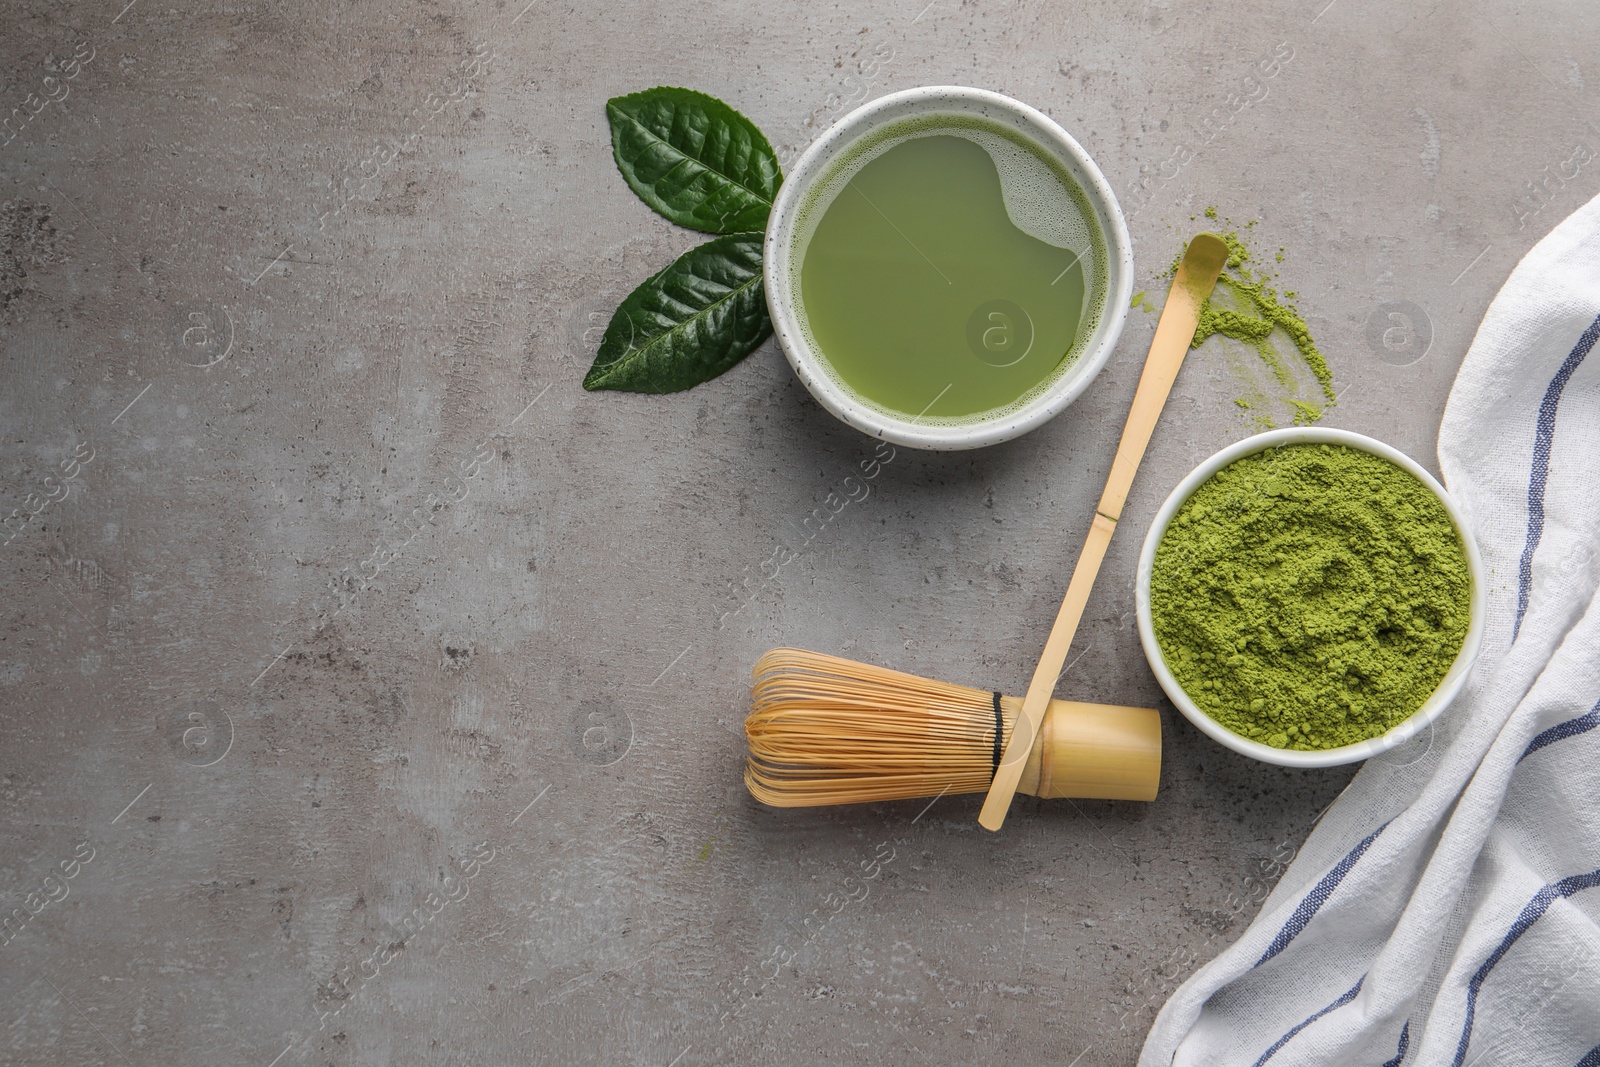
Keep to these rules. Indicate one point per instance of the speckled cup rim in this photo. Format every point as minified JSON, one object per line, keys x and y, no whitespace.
{"x":1038,"y":128}
{"x":1401,"y":732}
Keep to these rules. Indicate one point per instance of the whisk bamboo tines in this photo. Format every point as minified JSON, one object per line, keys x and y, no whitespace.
{"x":825,"y":730}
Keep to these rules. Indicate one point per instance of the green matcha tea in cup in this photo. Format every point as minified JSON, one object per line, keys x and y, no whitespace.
{"x":946,"y":268}
{"x":1310,"y":597}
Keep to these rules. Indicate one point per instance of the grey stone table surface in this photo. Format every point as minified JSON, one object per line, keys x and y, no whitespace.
{"x":276,"y":273}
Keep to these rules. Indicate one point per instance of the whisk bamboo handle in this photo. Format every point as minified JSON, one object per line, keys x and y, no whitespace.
{"x":1094,"y":752}
{"x":1195,"y":278}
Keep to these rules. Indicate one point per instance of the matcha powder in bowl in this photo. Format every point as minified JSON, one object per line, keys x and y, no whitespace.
{"x":1308,"y":592}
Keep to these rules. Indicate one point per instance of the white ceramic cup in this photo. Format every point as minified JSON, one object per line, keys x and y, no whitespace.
{"x":780,"y":270}
{"x":1397,"y":734}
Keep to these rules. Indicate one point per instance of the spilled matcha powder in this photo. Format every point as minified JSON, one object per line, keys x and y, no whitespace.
{"x":1310,"y":596}
{"x":1248,"y":309}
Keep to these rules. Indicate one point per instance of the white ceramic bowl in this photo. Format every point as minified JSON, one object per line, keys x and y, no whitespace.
{"x":1398,"y":734}
{"x":781,"y":272}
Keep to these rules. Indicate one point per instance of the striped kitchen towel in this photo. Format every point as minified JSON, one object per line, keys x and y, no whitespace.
{"x":1446,"y":911}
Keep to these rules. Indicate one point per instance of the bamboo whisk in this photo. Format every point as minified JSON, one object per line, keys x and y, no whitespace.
{"x":825,"y":730}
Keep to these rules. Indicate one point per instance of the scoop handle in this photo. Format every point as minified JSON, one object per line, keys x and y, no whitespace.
{"x":1197,"y":275}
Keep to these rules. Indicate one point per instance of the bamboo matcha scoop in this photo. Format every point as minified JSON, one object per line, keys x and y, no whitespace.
{"x":1197,"y":274}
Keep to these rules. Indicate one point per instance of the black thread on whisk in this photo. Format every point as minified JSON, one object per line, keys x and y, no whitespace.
{"x":999,"y":725}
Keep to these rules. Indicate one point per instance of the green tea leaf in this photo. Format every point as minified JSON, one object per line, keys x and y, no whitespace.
{"x":702,"y":314}
{"x":694,"y":159}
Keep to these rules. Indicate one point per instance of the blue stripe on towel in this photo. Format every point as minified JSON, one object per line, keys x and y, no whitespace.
{"x":1317,"y":897}
{"x":1531,"y":913}
{"x":1563,"y":730}
{"x":1344,"y":998}
{"x":1405,"y":1044}
{"x":1592,"y":1059}
{"x":1544,"y":437}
